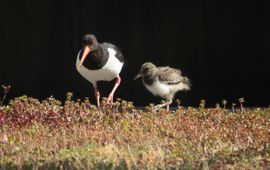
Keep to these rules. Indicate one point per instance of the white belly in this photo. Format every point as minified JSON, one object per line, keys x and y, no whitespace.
{"x":158,"y":88}
{"x":108,"y":72}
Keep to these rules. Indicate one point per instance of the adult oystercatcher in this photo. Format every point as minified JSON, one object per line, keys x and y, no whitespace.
{"x":164,"y":82}
{"x":100,"y":62}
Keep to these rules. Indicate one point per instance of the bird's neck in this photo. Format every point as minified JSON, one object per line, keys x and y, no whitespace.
{"x":149,"y":79}
{"x":98,"y":51}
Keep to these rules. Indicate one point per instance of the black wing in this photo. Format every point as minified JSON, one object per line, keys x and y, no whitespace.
{"x":118,"y":54}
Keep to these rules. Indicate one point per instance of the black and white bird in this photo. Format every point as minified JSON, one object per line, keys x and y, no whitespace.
{"x":164,"y":82}
{"x":99,"y":62}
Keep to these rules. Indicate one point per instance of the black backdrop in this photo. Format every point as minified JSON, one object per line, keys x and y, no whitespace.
{"x":222,"y":46}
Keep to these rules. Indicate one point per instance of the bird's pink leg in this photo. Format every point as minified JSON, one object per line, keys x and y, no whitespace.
{"x":97,"y":95}
{"x":117,"y":83}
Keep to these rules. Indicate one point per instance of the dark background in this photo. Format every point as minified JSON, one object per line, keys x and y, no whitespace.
{"x":222,"y":46}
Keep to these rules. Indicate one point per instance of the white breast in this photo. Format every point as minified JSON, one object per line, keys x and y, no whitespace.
{"x":113,"y":65}
{"x":108,"y":72}
{"x":158,"y":88}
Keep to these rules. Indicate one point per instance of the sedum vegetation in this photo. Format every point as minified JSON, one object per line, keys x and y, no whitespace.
{"x":49,"y":134}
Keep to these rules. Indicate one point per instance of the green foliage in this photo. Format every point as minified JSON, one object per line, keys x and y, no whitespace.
{"x":49,"y":134}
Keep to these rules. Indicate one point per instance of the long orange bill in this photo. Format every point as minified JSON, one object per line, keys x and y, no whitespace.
{"x":86,"y":51}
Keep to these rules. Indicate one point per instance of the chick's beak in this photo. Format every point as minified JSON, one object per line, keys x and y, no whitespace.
{"x":138,"y":76}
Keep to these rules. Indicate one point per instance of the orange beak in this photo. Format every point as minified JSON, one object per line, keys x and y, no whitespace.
{"x":86,"y":51}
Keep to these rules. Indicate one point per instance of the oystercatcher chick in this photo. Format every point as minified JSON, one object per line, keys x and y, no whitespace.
{"x":100,"y":62}
{"x":164,"y":82}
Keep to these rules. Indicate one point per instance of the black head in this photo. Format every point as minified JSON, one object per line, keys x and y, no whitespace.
{"x":90,"y":40}
{"x":90,"y":44}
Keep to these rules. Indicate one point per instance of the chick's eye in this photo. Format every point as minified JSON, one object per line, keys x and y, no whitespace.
{"x":92,"y":42}
{"x":146,"y":69}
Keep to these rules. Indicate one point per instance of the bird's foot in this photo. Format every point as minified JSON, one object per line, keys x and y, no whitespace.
{"x":110,"y":99}
{"x":156,"y":108}
{"x":99,"y":111}
{"x":159,"y":106}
